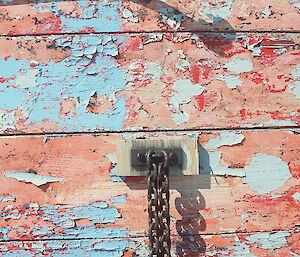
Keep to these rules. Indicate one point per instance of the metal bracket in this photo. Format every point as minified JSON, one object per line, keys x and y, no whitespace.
{"x":185,"y":150}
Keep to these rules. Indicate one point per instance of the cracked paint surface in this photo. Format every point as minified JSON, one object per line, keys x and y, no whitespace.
{"x":90,"y":83}
{"x":101,"y":16}
{"x":92,"y":193}
{"x":68,"y":66}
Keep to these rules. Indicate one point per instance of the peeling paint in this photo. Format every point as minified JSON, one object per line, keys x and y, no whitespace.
{"x":296,"y":196}
{"x":295,"y":88}
{"x":269,"y":241}
{"x":127,"y":14}
{"x":231,"y":81}
{"x":118,"y":199}
{"x":184,"y":90}
{"x":7,"y":198}
{"x":266,"y":173}
{"x":27,"y":79}
{"x":215,"y":12}
{"x":239,"y":65}
{"x":7,"y":120}
{"x":30,"y":177}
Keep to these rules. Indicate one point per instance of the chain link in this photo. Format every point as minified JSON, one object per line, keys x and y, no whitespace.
{"x":158,"y":203}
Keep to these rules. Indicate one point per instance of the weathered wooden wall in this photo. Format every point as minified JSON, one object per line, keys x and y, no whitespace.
{"x":77,"y":76}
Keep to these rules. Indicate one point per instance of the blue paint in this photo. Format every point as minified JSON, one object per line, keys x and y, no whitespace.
{"x":65,"y":248}
{"x":96,"y":16}
{"x":6,"y":1}
{"x":3,"y":233}
{"x":113,"y":175}
{"x":76,"y":77}
{"x":89,"y":69}
{"x":118,"y":199}
{"x":110,"y":245}
{"x":266,"y":173}
{"x":90,"y":232}
{"x":97,"y":212}
{"x":7,"y":198}
{"x":96,"y":253}
{"x":18,"y":252}
{"x":11,"y":97}
{"x":72,"y":78}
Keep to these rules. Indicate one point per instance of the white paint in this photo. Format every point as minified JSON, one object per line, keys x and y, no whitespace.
{"x":269,"y":241}
{"x":183,"y":65}
{"x":153,"y":69}
{"x":153,"y":37}
{"x":183,"y":91}
{"x":267,"y":11}
{"x":272,"y":122}
{"x":295,"y":88}
{"x":225,"y":138}
{"x":295,"y":3}
{"x":239,"y":65}
{"x":217,"y":12}
{"x":111,"y":157}
{"x":180,"y":117}
{"x":232,"y":81}
{"x":27,"y":79}
{"x":266,"y":173}
{"x":127,"y":14}
{"x":172,"y":20}
{"x":7,"y":198}
{"x":7,"y":120}
{"x":213,"y":165}
{"x":33,"y":178}
{"x":296,"y":196}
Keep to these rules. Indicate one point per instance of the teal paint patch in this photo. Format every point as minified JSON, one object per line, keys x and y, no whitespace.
{"x":118,"y":199}
{"x":97,"y":212}
{"x":269,"y":241}
{"x":95,"y":16}
{"x":266,"y":173}
{"x":10,"y":96}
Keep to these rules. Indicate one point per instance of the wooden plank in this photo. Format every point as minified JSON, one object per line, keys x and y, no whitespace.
{"x":30,"y":17}
{"x":275,"y":243}
{"x":148,"y":81}
{"x":65,"y":187}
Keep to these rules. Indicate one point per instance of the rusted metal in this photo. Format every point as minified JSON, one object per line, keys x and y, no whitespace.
{"x":158,"y":200}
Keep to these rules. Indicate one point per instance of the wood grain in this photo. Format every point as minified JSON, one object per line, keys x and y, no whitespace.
{"x":87,"y":199}
{"x":28,"y":17}
{"x":154,"y":81}
{"x":264,"y":244}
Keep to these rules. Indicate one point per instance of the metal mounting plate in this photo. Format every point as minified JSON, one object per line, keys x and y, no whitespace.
{"x":186,"y":151}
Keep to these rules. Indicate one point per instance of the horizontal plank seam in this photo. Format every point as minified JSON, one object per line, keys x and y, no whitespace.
{"x":136,"y":237}
{"x":16,"y":134}
{"x":155,"y":31}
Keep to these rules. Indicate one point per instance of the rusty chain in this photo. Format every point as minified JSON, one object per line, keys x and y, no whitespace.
{"x":158,"y":203}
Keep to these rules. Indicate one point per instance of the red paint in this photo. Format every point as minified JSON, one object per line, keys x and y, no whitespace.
{"x":199,"y":102}
{"x":134,"y":43}
{"x":195,"y":73}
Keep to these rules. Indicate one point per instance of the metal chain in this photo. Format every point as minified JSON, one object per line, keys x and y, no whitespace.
{"x":158,"y":203}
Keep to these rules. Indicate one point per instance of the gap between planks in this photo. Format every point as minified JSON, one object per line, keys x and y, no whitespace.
{"x":156,"y":31}
{"x":143,"y":236}
{"x":104,"y":132}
